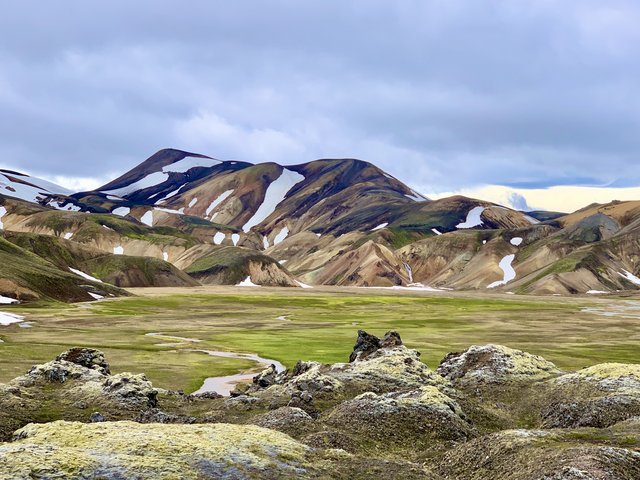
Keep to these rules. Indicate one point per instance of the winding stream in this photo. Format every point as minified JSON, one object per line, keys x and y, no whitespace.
{"x":222,"y":385}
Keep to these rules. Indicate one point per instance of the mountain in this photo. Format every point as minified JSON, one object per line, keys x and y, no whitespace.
{"x":326,"y":222}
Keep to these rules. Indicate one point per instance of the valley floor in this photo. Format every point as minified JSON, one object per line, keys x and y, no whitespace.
{"x":320,"y":324}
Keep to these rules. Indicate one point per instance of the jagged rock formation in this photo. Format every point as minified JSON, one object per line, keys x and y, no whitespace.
{"x":384,"y":414}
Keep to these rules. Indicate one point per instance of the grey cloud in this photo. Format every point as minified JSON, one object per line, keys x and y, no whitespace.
{"x":441,"y":94}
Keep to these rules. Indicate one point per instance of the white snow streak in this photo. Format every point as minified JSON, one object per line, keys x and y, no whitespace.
{"x":187,"y":163}
{"x":281,"y":236}
{"x":221,"y":198}
{"x":436,"y":231}
{"x":95,"y":296}
{"x":379,"y":227}
{"x":473,"y":218}
{"x":84,"y":275}
{"x":630,"y":276}
{"x":151,"y":180}
{"x":303,"y":285}
{"x":509,"y":272}
{"x":276,"y":192}
{"x":193,"y":202}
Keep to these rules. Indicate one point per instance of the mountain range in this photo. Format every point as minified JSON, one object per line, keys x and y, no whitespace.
{"x":182,"y":219}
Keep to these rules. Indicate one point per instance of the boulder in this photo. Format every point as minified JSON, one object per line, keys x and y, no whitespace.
{"x":86,"y":357}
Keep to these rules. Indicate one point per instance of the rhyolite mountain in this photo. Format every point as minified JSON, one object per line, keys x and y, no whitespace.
{"x":327,"y":222}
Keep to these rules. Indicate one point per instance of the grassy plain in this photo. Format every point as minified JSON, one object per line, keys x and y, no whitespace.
{"x":319,"y":324}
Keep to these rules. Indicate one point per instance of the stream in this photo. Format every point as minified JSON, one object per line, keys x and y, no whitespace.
{"x":222,"y":385}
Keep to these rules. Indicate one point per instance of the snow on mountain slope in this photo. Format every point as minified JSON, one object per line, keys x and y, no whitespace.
{"x":276,"y":193}
{"x":27,"y":188}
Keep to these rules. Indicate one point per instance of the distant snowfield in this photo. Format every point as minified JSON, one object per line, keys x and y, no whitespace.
{"x":247,"y":283}
{"x":29,"y":193}
{"x":187,"y":163}
{"x":473,"y":218}
{"x":9,"y":318}
{"x":509,"y":272}
{"x":221,"y":198}
{"x":84,"y":275}
{"x":276,"y":193}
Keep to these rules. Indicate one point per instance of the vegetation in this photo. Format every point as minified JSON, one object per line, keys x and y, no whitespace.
{"x":307,"y":324}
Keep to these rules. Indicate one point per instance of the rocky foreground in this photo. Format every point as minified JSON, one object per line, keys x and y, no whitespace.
{"x":489,"y":412}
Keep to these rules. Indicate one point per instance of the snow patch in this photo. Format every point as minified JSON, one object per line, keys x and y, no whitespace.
{"x":630,"y":276}
{"x":281,"y":236}
{"x":218,"y":238}
{"x":84,"y":275}
{"x":509,"y":272}
{"x":235,"y":238}
{"x":516,"y":241}
{"x":473,"y":218}
{"x":276,"y":193}
{"x":193,"y":202}
{"x":187,"y":163}
{"x":8,"y":300}
{"x":169,"y":210}
{"x":165,"y":256}
{"x":3,"y":212}
{"x":221,"y":198}
{"x":379,"y":227}
{"x":147,"y":218}
{"x":151,"y":180}
{"x":121,"y":211}
{"x":247,"y":283}
{"x":531,"y":219}
{"x":108,"y":228}
{"x":170,"y":194}
{"x":436,"y":231}
{"x":68,"y":235}
{"x":118,"y":250}
{"x":303,"y":285}
{"x":595,"y":292}
{"x":9,"y":318}
{"x":282,"y":262}
{"x":95,"y":296}
{"x":265,"y":242}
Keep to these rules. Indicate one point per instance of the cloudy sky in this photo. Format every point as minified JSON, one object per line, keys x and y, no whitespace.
{"x":446,"y":95}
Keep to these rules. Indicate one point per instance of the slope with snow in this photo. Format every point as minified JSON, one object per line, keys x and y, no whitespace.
{"x":630,"y":276}
{"x":121,"y":211}
{"x":509,"y":272}
{"x":27,"y":188}
{"x":276,"y":193}
{"x":187,"y":163}
{"x":473,"y":218}
{"x":221,"y":198}
{"x":218,"y":238}
{"x":147,"y":218}
{"x":151,"y":180}
{"x":85,"y":275}
{"x":281,"y":236}
{"x":3,"y":212}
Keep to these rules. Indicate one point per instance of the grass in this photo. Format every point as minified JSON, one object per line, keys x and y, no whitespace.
{"x":320,"y":325}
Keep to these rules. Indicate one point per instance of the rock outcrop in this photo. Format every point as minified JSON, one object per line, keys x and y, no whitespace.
{"x":384,"y":414}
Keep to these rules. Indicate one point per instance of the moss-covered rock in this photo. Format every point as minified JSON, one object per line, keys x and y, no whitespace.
{"x":494,"y":364}
{"x":597,"y":396}
{"x":131,"y":450}
{"x":537,"y":455}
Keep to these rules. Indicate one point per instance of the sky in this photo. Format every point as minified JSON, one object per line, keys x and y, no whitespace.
{"x":518,"y":100}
